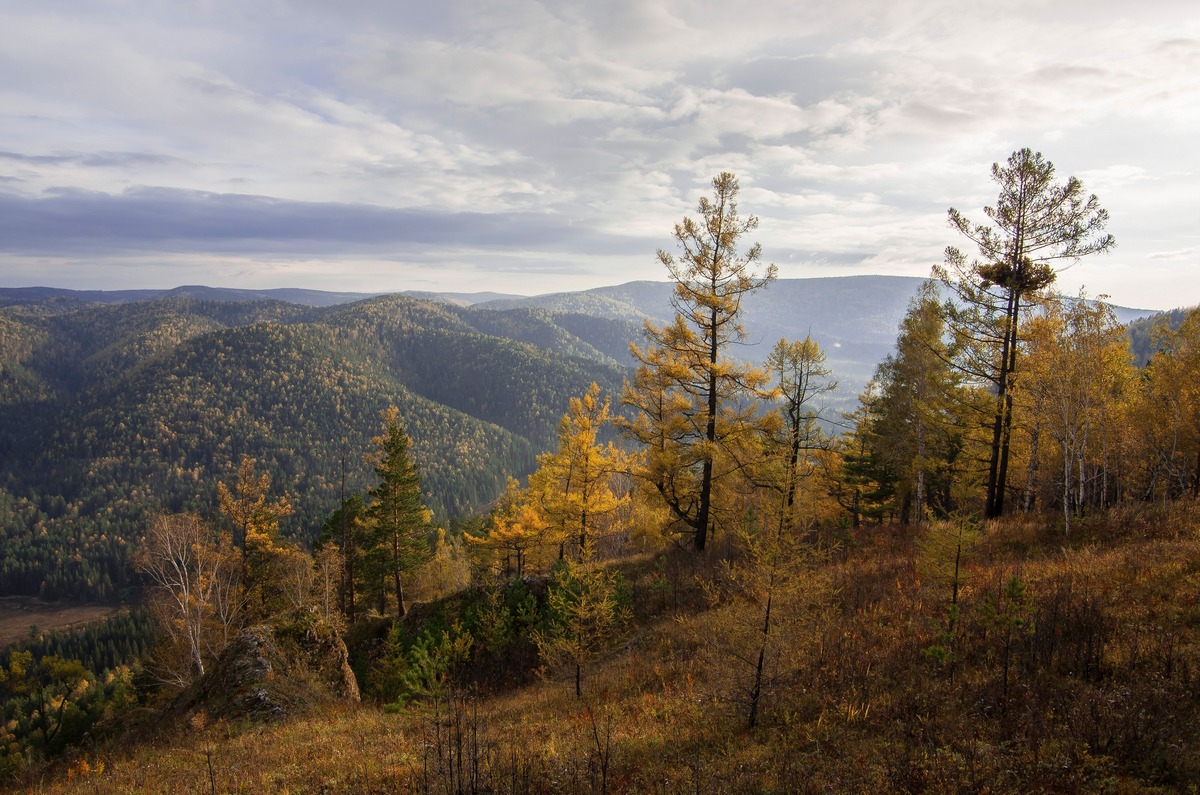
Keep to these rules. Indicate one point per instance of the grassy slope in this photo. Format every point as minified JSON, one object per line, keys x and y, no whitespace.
{"x":1101,"y":693}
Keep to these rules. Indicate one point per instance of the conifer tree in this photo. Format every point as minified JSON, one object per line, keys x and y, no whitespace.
{"x":859,"y":480}
{"x":801,"y":374}
{"x":585,"y":615}
{"x":691,"y":399}
{"x":255,"y":519}
{"x":399,"y":520}
{"x":346,"y":529}
{"x":917,"y":430}
{"x":574,"y":485}
{"x":1035,"y":224}
{"x":515,"y":530}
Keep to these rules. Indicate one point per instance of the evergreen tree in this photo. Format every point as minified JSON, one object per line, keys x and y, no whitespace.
{"x":858,"y":478}
{"x":1036,"y":223}
{"x":399,"y":520}
{"x":346,"y":529}
{"x":918,"y":430}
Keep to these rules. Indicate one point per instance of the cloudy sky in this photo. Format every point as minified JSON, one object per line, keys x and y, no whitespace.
{"x":529,"y":147}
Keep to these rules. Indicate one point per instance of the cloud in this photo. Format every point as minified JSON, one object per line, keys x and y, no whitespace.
{"x":149,"y":219}
{"x":91,"y":159}
{"x":567,"y":131}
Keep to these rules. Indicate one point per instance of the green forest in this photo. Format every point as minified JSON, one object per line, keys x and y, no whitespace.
{"x":497,"y":550}
{"x":114,"y":413}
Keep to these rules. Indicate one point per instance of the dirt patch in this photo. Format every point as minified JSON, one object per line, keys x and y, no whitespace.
{"x":18,"y":614}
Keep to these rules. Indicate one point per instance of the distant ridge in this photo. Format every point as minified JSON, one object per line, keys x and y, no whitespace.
{"x":13,"y":296}
{"x":885,"y":297}
{"x":10,"y":296}
{"x":842,"y":299}
{"x":854,"y":319}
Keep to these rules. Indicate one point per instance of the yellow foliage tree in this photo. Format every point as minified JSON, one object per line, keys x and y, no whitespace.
{"x":1080,"y":372}
{"x":515,"y":531}
{"x":691,"y":400}
{"x":194,"y":581}
{"x":801,"y":375}
{"x":1170,"y":416}
{"x":574,"y":486}
{"x":255,"y":519}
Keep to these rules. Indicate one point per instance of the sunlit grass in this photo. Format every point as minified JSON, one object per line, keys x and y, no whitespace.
{"x":1100,"y":694}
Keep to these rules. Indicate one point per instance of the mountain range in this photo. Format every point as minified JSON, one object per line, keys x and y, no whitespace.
{"x":118,"y":404}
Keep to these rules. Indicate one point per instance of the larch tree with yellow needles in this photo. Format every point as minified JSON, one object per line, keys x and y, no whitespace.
{"x":691,"y":400}
{"x":575,"y":486}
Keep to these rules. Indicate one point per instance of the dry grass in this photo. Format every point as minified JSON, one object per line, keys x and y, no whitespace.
{"x":19,"y":613}
{"x":1100,"y":694}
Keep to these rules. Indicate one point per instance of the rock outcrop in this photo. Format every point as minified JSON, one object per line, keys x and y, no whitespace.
{"x":269,"y":673}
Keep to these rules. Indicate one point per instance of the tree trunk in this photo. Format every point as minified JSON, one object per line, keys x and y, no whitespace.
{"x":396,"y":574}
{"x":1002,"y":424}
{"x":1031,"y":468}
{"x":756,"y":691}
{"x":710,"y":436}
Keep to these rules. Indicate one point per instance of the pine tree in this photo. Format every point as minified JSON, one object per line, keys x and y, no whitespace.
{"x":917,"y":430}
{"x":1036,"y":223}
{"x":399,"y":520}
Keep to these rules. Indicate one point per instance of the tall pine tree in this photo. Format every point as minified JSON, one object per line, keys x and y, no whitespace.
{"x":399,"y":520}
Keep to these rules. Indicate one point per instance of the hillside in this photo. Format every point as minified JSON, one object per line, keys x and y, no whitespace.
{"x":1077,"y":679}
{"x":112,"y":410}
{"x":15,"y":296}
{"x":853,"y":318}
{"x":109,"y":412}
{"x":843,"y":620}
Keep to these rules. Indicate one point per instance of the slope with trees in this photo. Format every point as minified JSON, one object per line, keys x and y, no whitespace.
{"x":1036,"y":225}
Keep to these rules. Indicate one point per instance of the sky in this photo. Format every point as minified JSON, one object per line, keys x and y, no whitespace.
{"x":530,"y":147}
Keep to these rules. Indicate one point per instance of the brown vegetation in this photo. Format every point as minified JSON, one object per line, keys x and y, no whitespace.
{"x":1092,"y":689}
{"x":19,"y":613}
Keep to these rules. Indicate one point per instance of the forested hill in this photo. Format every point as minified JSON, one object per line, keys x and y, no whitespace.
{"x":11,"y":296}
{"x":111,"y":411}
{"x":116,"y":408}
{"x":853,"y":318}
